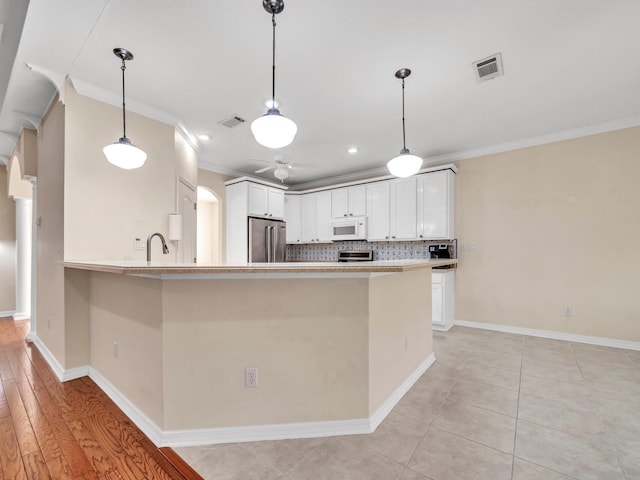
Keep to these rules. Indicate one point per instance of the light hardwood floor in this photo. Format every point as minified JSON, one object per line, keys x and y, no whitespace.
{"x":70,"y":430}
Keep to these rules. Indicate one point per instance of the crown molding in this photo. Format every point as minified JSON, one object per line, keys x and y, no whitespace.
{"x":135,"y":106}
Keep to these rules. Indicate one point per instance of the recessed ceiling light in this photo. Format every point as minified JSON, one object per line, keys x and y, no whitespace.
{"x":353,"y":150}
{"x":204,"y":136}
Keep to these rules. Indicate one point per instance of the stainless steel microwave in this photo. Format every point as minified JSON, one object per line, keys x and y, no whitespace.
{"x":349,"y":228}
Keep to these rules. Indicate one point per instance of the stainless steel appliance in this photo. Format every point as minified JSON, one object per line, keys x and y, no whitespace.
{"x":349,"y":228}
{"x":355,"y":256}
{"x":267,"y":240}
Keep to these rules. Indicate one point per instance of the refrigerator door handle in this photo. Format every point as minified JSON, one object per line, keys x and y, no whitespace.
{"x":267,"y":242}
{"x":274,"y":243}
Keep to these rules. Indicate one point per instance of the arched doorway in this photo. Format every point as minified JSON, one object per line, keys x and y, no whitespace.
{"x":208,"y":220}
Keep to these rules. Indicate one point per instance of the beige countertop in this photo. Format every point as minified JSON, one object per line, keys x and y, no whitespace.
{"x":158,"y":268}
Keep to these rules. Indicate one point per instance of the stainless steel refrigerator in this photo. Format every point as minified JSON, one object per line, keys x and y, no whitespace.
{"x":267,"y":240}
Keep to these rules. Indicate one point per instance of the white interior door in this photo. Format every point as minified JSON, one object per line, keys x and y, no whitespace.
{"x":187,"y":208}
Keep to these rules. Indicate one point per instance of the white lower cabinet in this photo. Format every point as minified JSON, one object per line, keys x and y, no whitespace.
{"x":443,"y":299}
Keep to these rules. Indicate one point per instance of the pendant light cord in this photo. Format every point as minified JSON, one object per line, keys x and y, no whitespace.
{"x":124,"y":120}
{"x":404,"y":140}
{"x":273,"y":63}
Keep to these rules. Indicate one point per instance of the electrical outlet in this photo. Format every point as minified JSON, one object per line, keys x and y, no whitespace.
{"x":251,"y":377}
{"x":568,"y":312}
{"x":138,"y":244}
{"x":115,"y":349}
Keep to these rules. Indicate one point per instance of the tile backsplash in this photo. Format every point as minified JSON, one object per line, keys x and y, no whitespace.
{"x":324,"y":252}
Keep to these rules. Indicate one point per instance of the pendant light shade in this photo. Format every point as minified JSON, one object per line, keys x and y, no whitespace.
{"x":123,"y":153}
{"x":406,"y":163}
{"x":273,"y":130}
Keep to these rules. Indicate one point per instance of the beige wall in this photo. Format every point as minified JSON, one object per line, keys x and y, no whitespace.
{"x":106,"y":207}
{"x":400,"y":336}
{"x":554,"y":225}
{"x":18,"y":187}
{"x":7,"y":246}
{"x":215,"y":182}
{"x":308,"y":339}
{"x":127,"y":311}
{"x":50,"y":277}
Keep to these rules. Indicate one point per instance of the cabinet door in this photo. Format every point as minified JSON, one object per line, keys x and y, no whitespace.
{"x":437,"y":303}
{"x":276,"y":203}
{"x":258,"y":200}
{"x":378,"y":211}
{"x":292,"y":217}
{"x":340,"y":202}
{"x":323,"y":216}
{"x":435,"y":205}
{"x":308,"y":218}
{"x":358,"y":200}
{"x":404,"y":209}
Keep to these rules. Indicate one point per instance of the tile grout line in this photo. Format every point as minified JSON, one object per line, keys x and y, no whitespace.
{"x":515,"y":432}
{"x":405,"y":465}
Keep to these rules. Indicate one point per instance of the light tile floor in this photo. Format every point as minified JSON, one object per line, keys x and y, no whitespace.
{"x":494,"y":406}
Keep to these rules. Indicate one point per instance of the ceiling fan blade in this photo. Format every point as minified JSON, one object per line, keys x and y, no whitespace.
{"x":264,"y":169}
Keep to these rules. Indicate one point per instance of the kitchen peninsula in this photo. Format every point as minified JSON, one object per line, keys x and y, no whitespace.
{"x":336,"y":345}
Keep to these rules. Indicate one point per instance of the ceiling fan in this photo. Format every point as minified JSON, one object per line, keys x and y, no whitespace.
{"x":281,"y":168}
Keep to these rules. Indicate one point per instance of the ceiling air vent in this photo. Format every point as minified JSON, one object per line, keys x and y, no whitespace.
{"x":232,"y":121}
{"x":489,"y":67}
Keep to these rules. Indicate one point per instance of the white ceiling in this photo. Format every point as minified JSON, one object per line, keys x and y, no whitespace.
{"x":571,"y":67}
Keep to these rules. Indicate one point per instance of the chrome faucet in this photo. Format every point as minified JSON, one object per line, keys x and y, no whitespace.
{"x":165,"y":250}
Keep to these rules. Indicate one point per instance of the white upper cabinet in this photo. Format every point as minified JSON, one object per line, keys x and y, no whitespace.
{"x":316,"y":217}
{"x":404,"y":209}
{"x":392,"y":210}
{"x":349,"y":201}
{"x":378,"y":203}
{"x":265,"y":201}
{"x":435,"y":205}
{"x":276,"y":203}
{"x":292,"y":209}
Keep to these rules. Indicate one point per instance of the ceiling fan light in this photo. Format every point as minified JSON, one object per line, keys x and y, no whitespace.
{"x":281,"y":173}
{"x":405,"y":164}
{"x":274,"y":130}
{"x":124,"y":154}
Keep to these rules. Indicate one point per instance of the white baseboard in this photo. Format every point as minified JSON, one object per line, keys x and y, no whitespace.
{"x":287,"y":431}
{"x":144,"y":423}
{"x":48,"y":356}
{"x":8,"y":313}
{"x":21,"y":316}
{"x":570,"y":337}
{"x":441,"y":328}
{"x":384,"y":410}
{"x":252,"y":433}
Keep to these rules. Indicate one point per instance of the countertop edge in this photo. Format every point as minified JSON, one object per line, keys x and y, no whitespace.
{"x":253,"y":269}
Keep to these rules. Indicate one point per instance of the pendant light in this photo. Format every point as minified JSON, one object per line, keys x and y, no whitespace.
{"x":272,"y":129}
{"x":405,"y":164}
{"x":123,"y":153}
